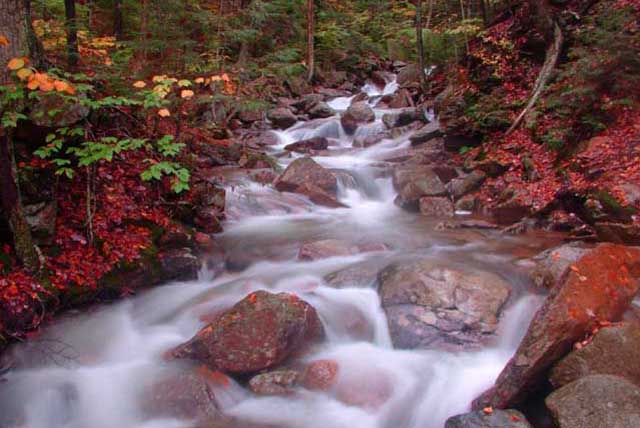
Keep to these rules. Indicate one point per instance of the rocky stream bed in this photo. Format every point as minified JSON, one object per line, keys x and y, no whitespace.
{"x":354,"y":287}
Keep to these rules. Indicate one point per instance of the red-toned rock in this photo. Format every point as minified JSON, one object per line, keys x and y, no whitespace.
{"x":436,"y":207}
{"x":599,"y":287}
{"x":306,"y":177}
{"x":277,"y":382}
{"x":320,"y":375}
{"x":257,"y":333}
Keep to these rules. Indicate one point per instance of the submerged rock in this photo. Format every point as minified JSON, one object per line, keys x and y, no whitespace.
{"x":334,"y":247}
{"x":598,"y":401}
{"x":613,"y":350}
{"x":320,"y":375}
{"x":599,"y":288}
{"x":257,"y":333}
{"x":436,"y":207}
{"x":494,"y":419}
{"x":429,"y":305}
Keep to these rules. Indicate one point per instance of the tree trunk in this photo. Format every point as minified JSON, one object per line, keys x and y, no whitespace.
{"x":117,"y":19}
{"x":420,"y":43}
{"x":483,"y":11}
{"x":13,"y":26}
{"x":310,"y":39}
{"x":25,"y":249}
{"x":71,"y":24}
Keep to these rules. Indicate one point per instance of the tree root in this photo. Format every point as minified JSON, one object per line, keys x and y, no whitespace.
{"x":550,"y":62}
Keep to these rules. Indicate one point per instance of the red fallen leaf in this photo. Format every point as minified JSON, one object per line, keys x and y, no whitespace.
{"x":253,"y":298}
{"x":488,"y":410}
{"x":574,"y":268}
{"x":514,"y":418}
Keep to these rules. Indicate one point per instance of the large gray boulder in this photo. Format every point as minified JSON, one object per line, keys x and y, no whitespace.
{"x":431,"y":305}
{"x":598,"y":401}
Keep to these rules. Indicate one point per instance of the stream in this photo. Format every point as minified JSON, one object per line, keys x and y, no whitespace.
{"x":90,"y":370}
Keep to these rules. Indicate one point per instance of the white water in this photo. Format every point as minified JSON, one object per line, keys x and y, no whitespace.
{"x":92,"y":370}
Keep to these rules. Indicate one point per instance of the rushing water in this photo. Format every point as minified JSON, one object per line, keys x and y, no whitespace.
{"x":91,"y":370}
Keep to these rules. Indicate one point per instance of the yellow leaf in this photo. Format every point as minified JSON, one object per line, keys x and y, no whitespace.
{"x":199,"y":80}
{"x":16,"y":64}
{"x":164,"y":112}
{"x":225,"y":77}
{"x":186,"y":93}
{"x":159,"y":78}
{"x":139,"y":84}
{"x":24,"y":73}
{"x":4,"y":41}
{"x":184,"y":83}
{"x":216,"y":78}
{"x":70,"y":90}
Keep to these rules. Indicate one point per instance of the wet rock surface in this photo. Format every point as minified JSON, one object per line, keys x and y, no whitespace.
{"x":493,"y":419}
{"x":414,"y":182}
{"x":356,"y":115}
{"x":598,"y":401}
{"x":306,"y":177}
{"x":599,"y":288}
{"x":613,"y":351}
{"x":430,"y":305}
{"x":258,"y":333}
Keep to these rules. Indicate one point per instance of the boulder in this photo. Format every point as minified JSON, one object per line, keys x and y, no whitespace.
{"x":426,"y":133}
{"x":401,"y":99}
{"x":257,"y":333}
{"x":494,"y":419}
{"x":178,"y":264}
{"x":436,"y":206}
{"x":379,"y":78}
{"x":306,"y":177}
{"x":308,"y":146}
{"x":413,"y":182}
{"x":552,"y":263}
{"x":306,"y":102}
{"x":41,"y":218}
{"x":621,"y":233}
{"x":613,"y":351}
{"x":409,"y":76}
{"x":458,"y":187}
{"x":357,"y":275}
{"x":334,"y":247}
{"x":433,"y":305}
{"x":250,"y":116}
{"x":402,"y":118}
{"x":321,"y":110}
{"x":598,"y":288}
{"x":357,"y":114}
{"x":454,"y":142}
{"x":55,"y":111}
{"x":276,"y":382}
{"x":281,"y":117}
{"x":597,"y":401}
